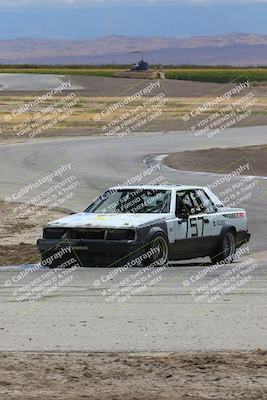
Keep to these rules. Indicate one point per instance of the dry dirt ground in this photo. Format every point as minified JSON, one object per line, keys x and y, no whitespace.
{"x":214,"y":160}
{"x":18,"y":236}
{"x":99,"y":93}
{"x":119,"y":376}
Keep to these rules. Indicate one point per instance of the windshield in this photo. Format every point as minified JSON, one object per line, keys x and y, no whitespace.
{"x":133,"y":201}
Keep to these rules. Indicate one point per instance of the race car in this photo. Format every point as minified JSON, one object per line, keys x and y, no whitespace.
{"x":146,"y":225}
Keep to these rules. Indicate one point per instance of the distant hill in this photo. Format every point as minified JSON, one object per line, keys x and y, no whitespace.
{"x":232,"y":49}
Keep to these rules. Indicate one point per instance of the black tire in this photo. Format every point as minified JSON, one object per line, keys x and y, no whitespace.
{"x":160,"y":246}
{"x":226,"y":250}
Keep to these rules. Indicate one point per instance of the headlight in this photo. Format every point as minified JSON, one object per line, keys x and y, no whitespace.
{"x":53,"y":233}
{"x":121,"y":234}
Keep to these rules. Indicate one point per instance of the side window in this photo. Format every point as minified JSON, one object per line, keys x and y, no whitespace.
{"x":205,"y":203}
{"x":187,"y":202}
{"x":196,"y":203}
{"x":181,"y":207}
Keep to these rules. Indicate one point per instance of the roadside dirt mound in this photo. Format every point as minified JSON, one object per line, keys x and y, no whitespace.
{"x":22,"y":253}
{"x":18,"y":236}
{"x":221,"y":161}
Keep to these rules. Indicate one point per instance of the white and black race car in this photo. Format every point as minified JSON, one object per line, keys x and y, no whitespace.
{"x":151,"y":224}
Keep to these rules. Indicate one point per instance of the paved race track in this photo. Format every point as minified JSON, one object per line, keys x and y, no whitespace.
{"x":164,"y":317}
{"x":99,"y":163}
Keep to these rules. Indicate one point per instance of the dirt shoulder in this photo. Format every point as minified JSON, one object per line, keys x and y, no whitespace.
{"x":85,"y":111}
{"x":105,"y":376}
{"x":221,"y":160}
{"x":18,"y":236}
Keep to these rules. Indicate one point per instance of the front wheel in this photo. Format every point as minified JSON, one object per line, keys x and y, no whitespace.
{"x":226,"y":250}
{"x":157,"y":251}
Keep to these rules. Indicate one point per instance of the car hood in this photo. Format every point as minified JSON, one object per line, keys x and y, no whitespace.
{"x":85,"y":220}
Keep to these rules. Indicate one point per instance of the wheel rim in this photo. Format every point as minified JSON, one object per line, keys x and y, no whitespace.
{"x":229,"y":245}
{"x":160,"y":251}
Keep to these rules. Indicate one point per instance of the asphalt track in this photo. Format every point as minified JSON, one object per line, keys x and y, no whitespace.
{"x":99,"y":163}
{"x":165,"y":316}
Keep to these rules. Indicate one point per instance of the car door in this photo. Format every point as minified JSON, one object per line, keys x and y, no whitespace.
{"x":210,"y":219}
{"x":199,"y":223}
{"x":193,"y":226}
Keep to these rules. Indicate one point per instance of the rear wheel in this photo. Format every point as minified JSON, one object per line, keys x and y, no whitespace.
{"x":226,"y":250}
{"x":158,"y":251}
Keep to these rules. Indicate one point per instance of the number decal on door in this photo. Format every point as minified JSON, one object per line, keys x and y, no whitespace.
{"x":195,"y":229}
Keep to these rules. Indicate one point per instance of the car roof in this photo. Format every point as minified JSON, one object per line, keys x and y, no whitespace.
{"x":157,"y":187}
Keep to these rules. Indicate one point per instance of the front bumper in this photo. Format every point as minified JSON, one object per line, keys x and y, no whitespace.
{"x":90,"y":253}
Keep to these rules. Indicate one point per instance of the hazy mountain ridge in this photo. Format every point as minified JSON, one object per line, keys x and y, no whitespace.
{"x":235,"y":49}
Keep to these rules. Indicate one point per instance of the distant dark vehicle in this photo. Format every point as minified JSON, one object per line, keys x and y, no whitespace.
{"x":141,"y":66}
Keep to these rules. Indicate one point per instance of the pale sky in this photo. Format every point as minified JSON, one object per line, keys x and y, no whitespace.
{"x":33,"y":3}
{"x":78,"y":19}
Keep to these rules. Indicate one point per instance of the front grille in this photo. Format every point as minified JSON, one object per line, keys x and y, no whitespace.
{"x":90,"y":234}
